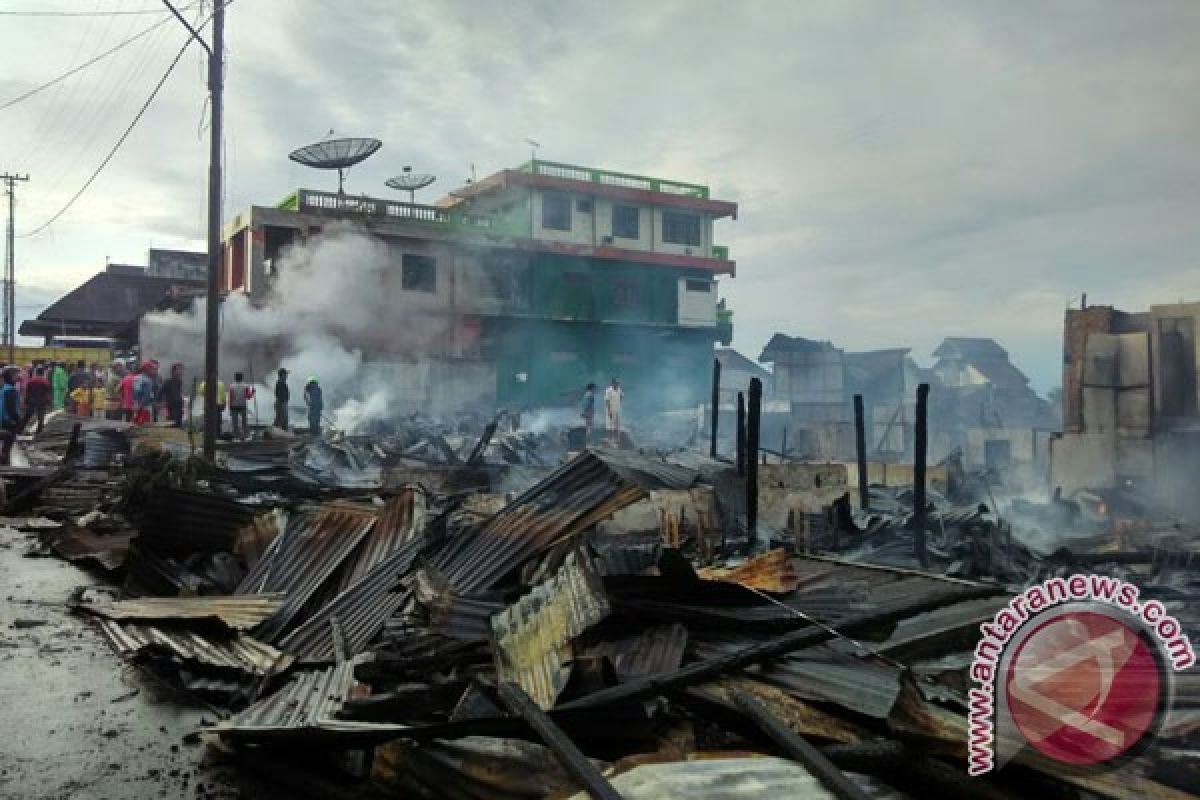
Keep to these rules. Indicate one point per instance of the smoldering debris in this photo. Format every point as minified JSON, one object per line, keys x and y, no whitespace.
{"x":427,"y":602}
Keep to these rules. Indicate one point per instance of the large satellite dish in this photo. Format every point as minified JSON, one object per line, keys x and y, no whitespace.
{"x":336,"y":154}
{"x":410,"y":181}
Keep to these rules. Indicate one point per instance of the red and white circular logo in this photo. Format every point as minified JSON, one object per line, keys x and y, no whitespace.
{"x":1084,"y":687}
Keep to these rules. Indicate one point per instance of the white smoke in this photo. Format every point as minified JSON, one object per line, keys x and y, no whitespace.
{"x":333,"y":299}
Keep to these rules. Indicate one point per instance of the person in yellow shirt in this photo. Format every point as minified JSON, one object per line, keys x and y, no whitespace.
{"x":221,"y":397}
{"x":87,"y":398}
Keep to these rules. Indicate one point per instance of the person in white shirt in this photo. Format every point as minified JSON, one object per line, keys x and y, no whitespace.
{"x":240,"y":393}
{"x":613,"y":396}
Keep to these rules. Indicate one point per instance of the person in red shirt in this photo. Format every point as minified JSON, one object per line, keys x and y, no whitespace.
{"x":126,"y":387}
{"x":38,"y":395}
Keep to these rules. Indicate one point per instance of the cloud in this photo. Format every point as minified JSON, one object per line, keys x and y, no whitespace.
{"x":905,"y":171}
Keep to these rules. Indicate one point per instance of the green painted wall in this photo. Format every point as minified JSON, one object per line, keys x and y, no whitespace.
{"x":600,"y":289}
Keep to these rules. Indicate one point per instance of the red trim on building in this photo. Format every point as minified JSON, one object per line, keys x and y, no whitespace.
{"x":512,"y":177}
{"x":713,"y":265}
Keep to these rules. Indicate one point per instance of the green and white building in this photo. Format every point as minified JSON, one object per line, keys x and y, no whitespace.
{"x":539,"y":279}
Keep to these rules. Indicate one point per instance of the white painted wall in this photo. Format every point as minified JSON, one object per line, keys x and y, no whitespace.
{"x":697,"y":309}
{"x":582,"y":222}
{"x":592,"y":228}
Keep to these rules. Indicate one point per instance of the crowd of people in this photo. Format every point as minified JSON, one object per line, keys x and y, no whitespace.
{"x":135,"y":392}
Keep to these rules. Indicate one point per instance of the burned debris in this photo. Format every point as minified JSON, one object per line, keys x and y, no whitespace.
{"x":413,"y":616}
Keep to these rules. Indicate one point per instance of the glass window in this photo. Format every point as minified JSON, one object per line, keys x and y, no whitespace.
{"x":681,"y":228}
{"x":418,"y":273}
{"x":699,"y":286}
{"x":625,"y":222}
{"x":556,"y":212}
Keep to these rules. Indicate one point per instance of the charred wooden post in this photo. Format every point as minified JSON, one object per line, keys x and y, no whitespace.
{"x":716,"y":407}
{"x":798,"y":749}
{"x":753,"y":420}
{"x":741,"y":434}
{"x":919,"y":456}
{"x":860,"y":447}
{"x":574,"y":762}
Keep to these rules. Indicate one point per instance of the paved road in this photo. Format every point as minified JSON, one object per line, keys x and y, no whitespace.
{"x":75,"y":721}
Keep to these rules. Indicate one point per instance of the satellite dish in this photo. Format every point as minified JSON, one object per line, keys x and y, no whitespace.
{"x":410,"y":181}
{"x":336,"y":154}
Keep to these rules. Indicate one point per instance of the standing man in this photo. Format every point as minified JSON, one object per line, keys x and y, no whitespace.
{"x":240,"y":394}
{"x":79,"y":378}
{"x":172,"y":395}
{"x":112,"y":389}
{"x":38,"y":396}
{"x":613,"y":396}
{"x":282,"y":397}
{"x":315,"y":403}
{"x":59,"y":380}
{"x":143,"y":395}
{"x":10,"y":414}
{"x":126,"y":390}
{"x":589,"y":412}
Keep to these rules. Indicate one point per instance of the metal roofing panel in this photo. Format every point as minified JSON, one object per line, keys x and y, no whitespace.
{"x":533,"y":635}
{"x":718,"y":779}
{"x":303,"y":558}
{"x":651,"y":652}
{"x":571,"y":499}
{"x":399,"y":520}
{"x":240,"y":652}
{"x":240,"y":612}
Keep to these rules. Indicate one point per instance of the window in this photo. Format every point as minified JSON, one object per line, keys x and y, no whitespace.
{"x":699,"y":286}
{"x":418,"y":273}
{"x":556,"y":212}
{"x":626,"y":293}
{"x":583,"y":206}
{"x":625,"y":222}
{"x":681,"y":228}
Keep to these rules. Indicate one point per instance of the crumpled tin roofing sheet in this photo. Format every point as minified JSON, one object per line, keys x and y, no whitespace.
{"x":718,"y":779}
{"x":302,"y":559}
{"x":532,"y":636}
{"x":654,"y":651}
{"x":240,"y":652}
{"x":181,"y":522}
{"x":399,"y":520}
{"x":574,"y":497}
{"x":240,"y":612}
{"x":361,"y":610}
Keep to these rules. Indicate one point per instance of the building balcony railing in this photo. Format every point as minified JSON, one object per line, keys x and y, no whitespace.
{"x":574,"y":172}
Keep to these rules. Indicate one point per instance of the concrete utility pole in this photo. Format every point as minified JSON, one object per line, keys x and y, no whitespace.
{"x":211,"y":318}
{"x":10,"y":279}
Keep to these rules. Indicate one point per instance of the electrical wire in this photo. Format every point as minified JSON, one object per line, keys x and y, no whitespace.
{"x":131,"y":12}
{"x":111,"y":153}
{"x":82,"y":66}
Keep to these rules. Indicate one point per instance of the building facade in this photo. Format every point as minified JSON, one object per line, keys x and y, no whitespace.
{"x":542,"y":278}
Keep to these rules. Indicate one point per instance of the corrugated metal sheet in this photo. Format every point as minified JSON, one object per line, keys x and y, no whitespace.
{"x":180,"y":522}
{"x":303,"y":558}
{"x":532,"y":636}
{"x":240,"y":652}
{"x":718,"y":779}
{"x":82,"y":544}
{"x":240,"y":612}
{"x":571,"y":499}
{"x":399,"y":520}
{"x":770,"y":572}
{"x":361,"y":610}
{"x":101,"y":448}
{"x":651,"y":652}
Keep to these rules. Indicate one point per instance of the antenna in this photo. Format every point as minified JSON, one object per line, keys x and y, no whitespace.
{"x":533,"y":148}
{"x":339,"y":154}
{"x":410,"y":181}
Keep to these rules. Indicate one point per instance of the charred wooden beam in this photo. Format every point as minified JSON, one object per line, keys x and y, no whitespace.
{"x":753,"y":423}
{"x":860,"y":446}
{"x":741,"y":433}
{"x":716,"y":407}
{"x":574,"y":762}
{"x":919,"y":455}
{"x":799,"y":749}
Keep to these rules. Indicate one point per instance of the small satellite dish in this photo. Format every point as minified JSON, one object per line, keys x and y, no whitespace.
{"x":409,"y":181}
{"x":336,"y":154}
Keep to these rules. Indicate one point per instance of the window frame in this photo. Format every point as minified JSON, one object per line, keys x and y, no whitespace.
{"x":676,"y":224}
{"x":418,"y":261}
{"x":566,"y":210}
{"x":636,"y":219}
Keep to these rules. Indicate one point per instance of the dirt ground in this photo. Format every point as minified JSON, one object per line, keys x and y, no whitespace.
{"x":77,"y":722}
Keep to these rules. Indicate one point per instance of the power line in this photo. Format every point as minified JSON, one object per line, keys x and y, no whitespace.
{"x":115,"y":147}
{"x":130,"y":12}
{"x":82,"y":66}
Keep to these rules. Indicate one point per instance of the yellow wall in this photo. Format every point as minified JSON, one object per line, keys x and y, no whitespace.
{"x":24,"y":355}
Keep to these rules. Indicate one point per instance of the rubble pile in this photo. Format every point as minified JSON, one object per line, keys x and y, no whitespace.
{"x":427,"y":613}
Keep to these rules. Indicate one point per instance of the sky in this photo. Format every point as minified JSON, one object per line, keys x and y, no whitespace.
{"x":904,"y":171}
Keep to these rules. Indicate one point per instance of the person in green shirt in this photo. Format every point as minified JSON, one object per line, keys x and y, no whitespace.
{"x":58,"y":380}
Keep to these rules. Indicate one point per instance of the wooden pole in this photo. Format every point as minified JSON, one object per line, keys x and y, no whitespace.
{"x":741,"y":433}
{"x":716,"y":407}
{"x":860,"y":446}
{"x":753,"y":421}
{"x":919,"y":456}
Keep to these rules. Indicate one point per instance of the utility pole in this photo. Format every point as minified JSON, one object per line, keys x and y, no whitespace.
{"x":10,"y":279}
{"x":211,"y":317}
